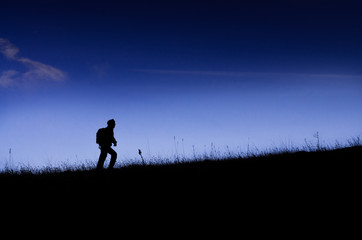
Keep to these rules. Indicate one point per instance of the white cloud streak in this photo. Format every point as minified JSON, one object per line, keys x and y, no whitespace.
{"x":37,"y":71}
{"x":40,"y":70}
{"x":8,"y":49}
{"x":246,"y":74}
{"x":7,"y":78}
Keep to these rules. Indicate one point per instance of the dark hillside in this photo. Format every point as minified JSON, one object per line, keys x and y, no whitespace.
{"x":326,"y":169}
{"x":295,"y":193}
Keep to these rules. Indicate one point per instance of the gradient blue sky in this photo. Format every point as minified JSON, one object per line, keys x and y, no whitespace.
{"x":231,"y":73}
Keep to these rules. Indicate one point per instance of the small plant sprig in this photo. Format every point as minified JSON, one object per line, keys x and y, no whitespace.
{"x":316,"y":135}
{"x":140,"y":153}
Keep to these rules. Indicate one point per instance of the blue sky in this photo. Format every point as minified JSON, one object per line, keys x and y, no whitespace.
{"x":229,"y":73}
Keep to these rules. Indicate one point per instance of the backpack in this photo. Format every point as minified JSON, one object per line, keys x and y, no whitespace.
{"x":100,"y":137}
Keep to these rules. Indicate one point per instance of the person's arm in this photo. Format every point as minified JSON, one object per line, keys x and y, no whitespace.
{"x":114,"y":140}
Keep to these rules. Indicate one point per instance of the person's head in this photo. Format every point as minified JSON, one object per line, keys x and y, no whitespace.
{"x":111,"y":123}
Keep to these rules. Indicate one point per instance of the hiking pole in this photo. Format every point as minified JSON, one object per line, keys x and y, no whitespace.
{"x":140,"y":153}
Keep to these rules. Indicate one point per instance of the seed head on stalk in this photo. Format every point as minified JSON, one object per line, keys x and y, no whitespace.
{"x":140,"y":153}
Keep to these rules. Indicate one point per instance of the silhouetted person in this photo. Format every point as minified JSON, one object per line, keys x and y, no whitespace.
{"x":105,"y":138}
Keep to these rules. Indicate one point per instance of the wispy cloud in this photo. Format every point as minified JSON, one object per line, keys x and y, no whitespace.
{"x":196,"y":72}
{"x":37,"y":71}
{"x":8,"y":78}
{"x":40,"y":70}
{"x":247,"y":74}
{"x":8,"y":49}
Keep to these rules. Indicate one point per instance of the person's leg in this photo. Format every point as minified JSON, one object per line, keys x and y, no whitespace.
{"x":113,"y":158}
{"x":102,"y":158}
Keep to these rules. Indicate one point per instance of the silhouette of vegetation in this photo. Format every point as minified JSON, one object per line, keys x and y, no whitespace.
{"x":278,"y":167}
{"x":320,"y":185}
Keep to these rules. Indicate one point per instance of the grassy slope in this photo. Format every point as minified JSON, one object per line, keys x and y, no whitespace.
{"x":288,"y":193}
{"x":283,"y":170}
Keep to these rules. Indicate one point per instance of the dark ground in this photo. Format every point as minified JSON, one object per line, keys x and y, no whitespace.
{"x":284,"y":173}
{"x":316,"y":186}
